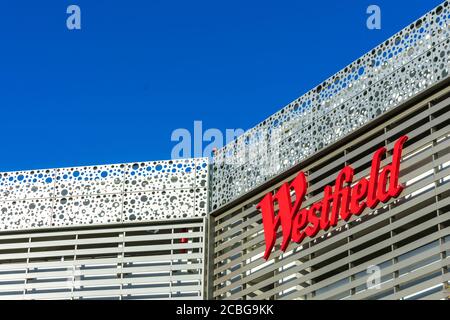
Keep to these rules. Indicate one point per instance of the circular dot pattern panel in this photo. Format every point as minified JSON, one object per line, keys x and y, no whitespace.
{"x":159,"y":205}
{"x":103,"y":194}
{"x":87,"y":210}
{"x":89,"y":180}
{"x":24,"y":214}
{"x":160,"y":175}
{"x":26,"y":184}
{"x":405,"y":65}
{"x":201,"y":188}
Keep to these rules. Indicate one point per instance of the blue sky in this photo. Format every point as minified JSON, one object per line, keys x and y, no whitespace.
{"x":137,"y":70}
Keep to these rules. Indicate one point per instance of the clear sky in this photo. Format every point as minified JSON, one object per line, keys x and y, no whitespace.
{"x":137,"y":70}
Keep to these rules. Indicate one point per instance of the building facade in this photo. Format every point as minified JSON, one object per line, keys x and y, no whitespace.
{"x":126,"y":231}
{"x":190,"y":229}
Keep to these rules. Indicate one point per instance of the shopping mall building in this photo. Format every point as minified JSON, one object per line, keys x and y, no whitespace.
{"x":342,"y":194}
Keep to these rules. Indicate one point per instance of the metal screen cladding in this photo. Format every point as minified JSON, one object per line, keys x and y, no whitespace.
{"x":104,"y":194}
{"x":139,"y":261}
{"x":407,"y":238}
{"x":410,"y":62}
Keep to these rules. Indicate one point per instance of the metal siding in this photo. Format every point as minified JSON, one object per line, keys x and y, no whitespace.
{"x":140,"y":261}
{"x":332,"y":265}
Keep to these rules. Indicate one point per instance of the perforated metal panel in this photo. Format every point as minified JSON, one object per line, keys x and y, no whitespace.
{"x":120,"y":193}
{"x":139,"y":261}
{"x":408,"y":238}
{"x":405,"y":65}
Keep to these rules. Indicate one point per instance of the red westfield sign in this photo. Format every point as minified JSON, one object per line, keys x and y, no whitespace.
{"x":343,"y":200}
